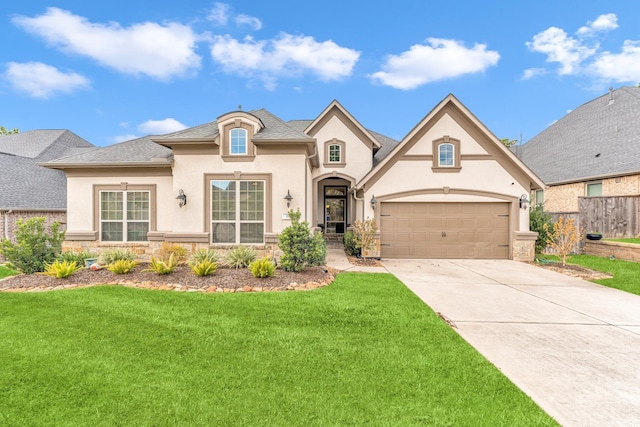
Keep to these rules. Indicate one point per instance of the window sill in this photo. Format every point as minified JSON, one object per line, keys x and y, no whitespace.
{"x":334,"y":165}
{"x":446,"y":169}
{"x":237,"y":158}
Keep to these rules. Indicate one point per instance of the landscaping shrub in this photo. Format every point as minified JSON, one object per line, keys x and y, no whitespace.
{"x":365,"y":234}
{"x":204,"y":255}
{"x":77,"y":257}
{"x":113,"y":255}
{"x":540,"y":222}
{"x":122,"y":266}
{"x":34,"y":248}
{"x":61,"y":269}
{"x":163,"y":267}
{"x":350,"y":244}
{"x":263,"y":267}
{"x":204,"y":267}
{"x":167,"y":249}
{"x":300,"y":249}
{"x":563,"y":236}
{"x":240,"y":257}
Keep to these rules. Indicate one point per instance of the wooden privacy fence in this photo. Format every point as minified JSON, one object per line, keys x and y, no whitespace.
{"x":613,"y":216}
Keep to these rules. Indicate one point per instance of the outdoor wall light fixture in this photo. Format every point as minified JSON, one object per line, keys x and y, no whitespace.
{"x":288,"y":198}
{"x":182,"y":198}
{"x":373,"y":202}
{"x":524,"y":202}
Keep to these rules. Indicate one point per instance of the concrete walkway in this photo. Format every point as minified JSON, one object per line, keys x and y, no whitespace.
{"x":571,"y":345}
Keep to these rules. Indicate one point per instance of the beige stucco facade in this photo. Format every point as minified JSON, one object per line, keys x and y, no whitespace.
{"x":484,"y":172}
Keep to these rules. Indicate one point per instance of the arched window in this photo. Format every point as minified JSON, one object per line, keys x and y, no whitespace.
{"x":238,"y":139}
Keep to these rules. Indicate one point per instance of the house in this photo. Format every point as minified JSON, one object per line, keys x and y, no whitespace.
{"x":590,"y":162}
{"x":27,"y":189}
{"x":449,"y":189}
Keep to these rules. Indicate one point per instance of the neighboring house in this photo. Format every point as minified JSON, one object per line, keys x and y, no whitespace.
{"x":27,"y":189}
{"x":590,"y":162}
{"x":449,"y":189}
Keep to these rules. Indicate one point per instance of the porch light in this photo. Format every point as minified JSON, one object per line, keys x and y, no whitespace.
{"x":288,"y":198}
{"x":373,"y":202}
{"x":524,"y":202}
{"x":182,"y":198}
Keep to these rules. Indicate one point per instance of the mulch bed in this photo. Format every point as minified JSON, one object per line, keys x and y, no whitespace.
{"x":574,"y":270}
{"x":223,"y":280}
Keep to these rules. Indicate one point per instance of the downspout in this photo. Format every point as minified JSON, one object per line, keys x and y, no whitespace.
{"x":306,"y":189}
{"x":6,"y":223}
{"x":355,"y":197}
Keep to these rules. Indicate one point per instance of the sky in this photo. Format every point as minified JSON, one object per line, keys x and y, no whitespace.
{"x":112,"y":71}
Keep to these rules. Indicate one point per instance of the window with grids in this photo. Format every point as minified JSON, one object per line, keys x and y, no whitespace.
{"x":446,"y":155}
{"x":124,"y":216}
{"x":237,"y":211}
{"x":335,"y":153}
{"x":238,"y":137}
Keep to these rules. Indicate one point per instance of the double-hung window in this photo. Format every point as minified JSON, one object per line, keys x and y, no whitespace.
{"x":446,"y":155}
{"x":237,"y":211}
{"x":238,"y":139}
{"x":124,"y":216}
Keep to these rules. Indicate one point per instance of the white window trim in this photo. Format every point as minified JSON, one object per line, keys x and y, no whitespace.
{"x":246,"y":141}
{"x":453,"y":155}
{"x":237,"y":221}
{"x":124,"y":221}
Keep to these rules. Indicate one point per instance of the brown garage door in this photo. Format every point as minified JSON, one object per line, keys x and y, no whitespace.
{"x":444,"y":230}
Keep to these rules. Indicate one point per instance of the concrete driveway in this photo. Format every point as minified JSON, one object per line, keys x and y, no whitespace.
{"x":572,"y":345}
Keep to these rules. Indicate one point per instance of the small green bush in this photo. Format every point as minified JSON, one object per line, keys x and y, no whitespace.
{"x":204,"y":255}
{"x":240,"y":257}
{"x":113,"y":255}
{"x":167,"y":249}
{"x":263,"y":267}
{"x":163,"y":267}
{"x":204,"y":267}
{"x":122,"y":266}
{"x":350,"y":244}
{"x":540,"y":222}
{"x":61,"y":269}
{"x":34,"y":248}
{"x":300,"y":249}
{"x":77,"y":257}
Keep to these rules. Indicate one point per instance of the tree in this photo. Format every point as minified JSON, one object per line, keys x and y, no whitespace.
{"x":509,"y":142}
{"x":5,"y":131}
{"x":562,"y":237}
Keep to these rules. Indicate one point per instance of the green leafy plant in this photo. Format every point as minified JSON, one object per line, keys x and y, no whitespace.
{"x":162,"y":267}
{"x":263,"y":267}
{"x":167,"y":249}
{"x":77,"y":257}
{"x":204,"y":267}
{"x":540,"y":222}
{"x":34,"y":248}
{"x":122,"y":266}
{"x":350,"y":245}
{"x":61,"y":269}
{"x":240,"y":257}
{"x":111,"y":256}
{"x":204,"y":254}
{"x":300,"y":249}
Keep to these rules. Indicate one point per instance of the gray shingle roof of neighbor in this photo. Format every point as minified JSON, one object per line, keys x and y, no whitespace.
{"x":600,"y":138}
{"x":23,"y":184}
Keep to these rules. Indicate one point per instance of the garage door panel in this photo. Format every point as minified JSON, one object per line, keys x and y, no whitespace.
{"x":471,"y":230}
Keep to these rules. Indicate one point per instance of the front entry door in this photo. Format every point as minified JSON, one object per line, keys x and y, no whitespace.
{"x":335,"y":209}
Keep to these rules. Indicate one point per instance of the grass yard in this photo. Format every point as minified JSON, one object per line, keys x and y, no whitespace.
{"x":363,"y":351}
{"x":626,"y":274}
{"x":634,"y":240}
{"x":6,"y":272}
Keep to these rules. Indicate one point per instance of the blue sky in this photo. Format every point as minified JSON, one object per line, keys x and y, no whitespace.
{"x":111,"y":71}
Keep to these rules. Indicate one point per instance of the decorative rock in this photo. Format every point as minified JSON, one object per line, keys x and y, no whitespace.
{"x":212,"y":289}
{"x":247,"y":289}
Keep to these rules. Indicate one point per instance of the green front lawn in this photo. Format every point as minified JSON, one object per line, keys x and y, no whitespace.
{"x":626,"y":274}
{"x":634,"y":240}
{"x":6,"y":272}
{"x":363,"y":351}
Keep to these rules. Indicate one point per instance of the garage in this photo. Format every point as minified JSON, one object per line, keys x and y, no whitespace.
{"x":444,"y":230}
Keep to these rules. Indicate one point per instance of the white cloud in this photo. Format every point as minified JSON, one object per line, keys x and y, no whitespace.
{"x":41,"y":80}
{"x":532,"y":72}
{"x":160,"y":127}
{"x":620,"y":67}
{"x":158,"y":51}
{"x":219,"y":14}
{"x":561,"y":48}
{"x":284,"y":56}
{"x":250,"y":21}
{"x":602,"y":23}
{"x":440,"y":59}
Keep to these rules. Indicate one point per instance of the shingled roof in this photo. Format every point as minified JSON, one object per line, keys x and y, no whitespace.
{"x":26,"y":186}
{"x":598,"y":139}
